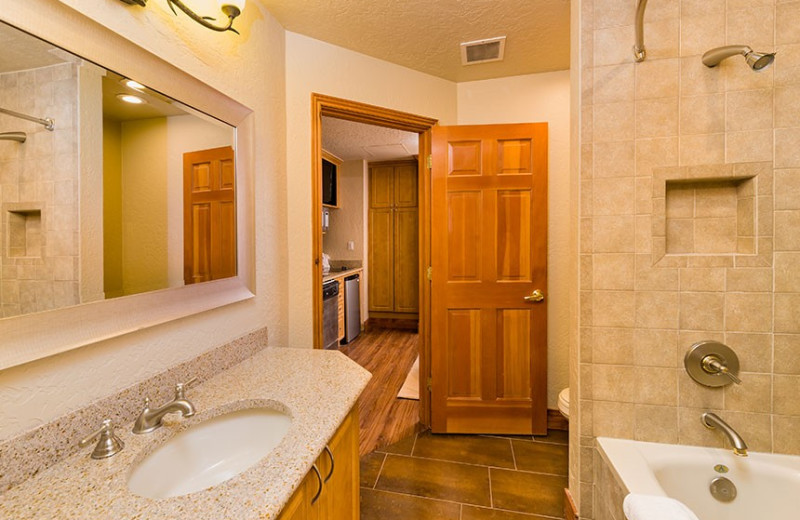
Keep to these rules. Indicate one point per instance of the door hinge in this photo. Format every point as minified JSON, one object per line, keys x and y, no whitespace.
{"x":430,"y":161}
{"x":429,"y":273}
{"x":430,"y":384}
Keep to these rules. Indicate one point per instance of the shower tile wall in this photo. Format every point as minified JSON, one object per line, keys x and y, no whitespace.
{"x":639,"y":314}
{"x":38,"y":191}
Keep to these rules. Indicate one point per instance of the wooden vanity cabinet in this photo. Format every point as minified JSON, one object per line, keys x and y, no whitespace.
{"x":339,"y":499}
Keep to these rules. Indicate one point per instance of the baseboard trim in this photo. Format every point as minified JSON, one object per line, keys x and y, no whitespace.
{"x":556,"y":421}
{"x":392,"y":323}
{"x":570,"y":511}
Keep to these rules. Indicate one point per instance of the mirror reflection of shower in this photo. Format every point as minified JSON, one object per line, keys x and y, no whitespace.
{"x":19,"y":137}
{"x":47,"y":122}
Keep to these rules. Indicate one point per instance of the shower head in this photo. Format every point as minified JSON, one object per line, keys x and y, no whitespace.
{"x":19,"y":137}
{"x":755,"y":60}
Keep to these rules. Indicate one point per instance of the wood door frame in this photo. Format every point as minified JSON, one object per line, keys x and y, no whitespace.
{"x":322,"y":105}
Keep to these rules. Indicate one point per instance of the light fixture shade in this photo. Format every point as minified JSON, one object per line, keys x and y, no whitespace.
{"x":238,"y":4}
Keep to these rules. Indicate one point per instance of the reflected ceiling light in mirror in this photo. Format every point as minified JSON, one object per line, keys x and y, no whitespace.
{"x":130,"y":98}
{"x":135,"y":85}
{"x":230,"y":8}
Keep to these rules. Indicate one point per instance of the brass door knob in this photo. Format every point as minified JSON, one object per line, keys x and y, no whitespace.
{"x":535,"y":296}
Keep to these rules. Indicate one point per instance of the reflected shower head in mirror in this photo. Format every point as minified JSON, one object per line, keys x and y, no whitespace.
{"x":755,"y":60}
{"x":19,"y":137}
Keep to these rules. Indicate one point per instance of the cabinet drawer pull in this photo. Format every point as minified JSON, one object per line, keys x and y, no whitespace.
{"x":319,"y":478}
{"x":330,"y":454}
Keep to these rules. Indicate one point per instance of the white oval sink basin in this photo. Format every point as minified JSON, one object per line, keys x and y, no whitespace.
{"x":209,"y":453}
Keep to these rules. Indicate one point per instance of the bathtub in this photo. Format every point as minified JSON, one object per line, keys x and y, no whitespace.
{"x":768,"y":485}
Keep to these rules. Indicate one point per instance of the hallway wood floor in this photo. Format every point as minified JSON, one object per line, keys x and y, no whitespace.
{"x":388,"y":354}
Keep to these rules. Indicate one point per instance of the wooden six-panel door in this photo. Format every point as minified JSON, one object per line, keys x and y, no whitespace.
{"x":209,"y":215}
{"x":489,"y":252}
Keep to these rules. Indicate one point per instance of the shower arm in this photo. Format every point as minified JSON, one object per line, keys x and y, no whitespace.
{"x":639,"y":52}
{"x":47,"y":122}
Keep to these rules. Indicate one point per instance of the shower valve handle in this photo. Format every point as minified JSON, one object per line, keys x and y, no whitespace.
{"x":714,"y":365}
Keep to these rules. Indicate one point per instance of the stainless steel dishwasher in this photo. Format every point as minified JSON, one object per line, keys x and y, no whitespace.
{"x":330,"y":314}
{"x":352,"y":307}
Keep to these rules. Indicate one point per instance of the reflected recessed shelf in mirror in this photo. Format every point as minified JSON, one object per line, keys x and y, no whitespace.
{"x":110,"y":190}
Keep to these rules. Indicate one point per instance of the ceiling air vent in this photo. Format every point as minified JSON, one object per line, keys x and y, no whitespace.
{"x":483,"y":51}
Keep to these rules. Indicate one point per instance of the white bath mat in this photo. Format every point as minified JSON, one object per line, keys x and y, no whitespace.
{"x":410,"y":389}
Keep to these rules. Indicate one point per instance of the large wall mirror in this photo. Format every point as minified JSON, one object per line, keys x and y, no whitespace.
{"x":167,"y":204}
{"x":114,"y":195}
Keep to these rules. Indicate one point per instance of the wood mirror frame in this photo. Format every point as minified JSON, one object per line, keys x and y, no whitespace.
{"x":30,"y":337}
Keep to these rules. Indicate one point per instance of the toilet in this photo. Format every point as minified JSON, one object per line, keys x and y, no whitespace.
{"x":563,"y":403}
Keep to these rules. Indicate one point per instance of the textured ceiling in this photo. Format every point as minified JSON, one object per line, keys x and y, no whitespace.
{"x":425,"y":34}
{"x":351,"y":141}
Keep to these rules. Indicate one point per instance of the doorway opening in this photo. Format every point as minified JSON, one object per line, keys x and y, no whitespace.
{"x":397,"y":225}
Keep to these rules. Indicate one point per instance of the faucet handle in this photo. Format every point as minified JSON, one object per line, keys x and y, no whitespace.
{"x":181,"y":387}
{"x":714,"y":365}
{"x":108,"y":443}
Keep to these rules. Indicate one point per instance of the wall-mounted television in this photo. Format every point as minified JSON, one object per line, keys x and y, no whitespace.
{"x":329,"y":179}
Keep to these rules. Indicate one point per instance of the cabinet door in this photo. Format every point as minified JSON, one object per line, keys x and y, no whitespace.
{"x":406,"y":264}
{"x":381,"y":187}
{"x":341,"y":308}
{"x":298,"y":507}
{"x":381,"y":252}
{"x":340,"y":497}
{"x":405,"y":186}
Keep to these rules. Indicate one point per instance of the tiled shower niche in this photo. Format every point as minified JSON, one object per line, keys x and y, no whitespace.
{"x":24,"y":228}
{"x":713,"y":215}
{"x":710,"y":217}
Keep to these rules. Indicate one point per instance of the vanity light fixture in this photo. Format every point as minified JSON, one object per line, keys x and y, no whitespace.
{"x":230,"y":8}
{"x":130,"y":98}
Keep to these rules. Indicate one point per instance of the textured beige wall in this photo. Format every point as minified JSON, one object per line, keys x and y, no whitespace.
{"x":639,"y":313}
{"x":250,"y":69}
{"x":112,"y":208}
{"x":144,"y":205}
{"x":90,"y":158}
{"x":347,"y":222}
{"x":187,"y":133}
{"x":315,"y":66}
{"x":538,"y":98}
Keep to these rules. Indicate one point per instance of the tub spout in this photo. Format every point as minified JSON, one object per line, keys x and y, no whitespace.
{"x":712,"y":421}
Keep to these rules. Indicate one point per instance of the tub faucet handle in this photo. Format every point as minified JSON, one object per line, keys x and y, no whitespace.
{"x":714,"y":365}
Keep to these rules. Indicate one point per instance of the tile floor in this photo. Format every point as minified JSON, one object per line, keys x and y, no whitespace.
{"x":466,"y":477}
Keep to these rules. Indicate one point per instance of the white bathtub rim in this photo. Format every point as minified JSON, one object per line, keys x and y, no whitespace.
{"x":633,"y":463}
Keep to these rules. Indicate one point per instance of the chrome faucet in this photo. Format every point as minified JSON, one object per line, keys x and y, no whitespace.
{"x":712,"y":421}
{"x":150,"y":420}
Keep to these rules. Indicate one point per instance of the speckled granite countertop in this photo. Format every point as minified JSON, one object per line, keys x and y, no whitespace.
{"x":336,"y":274}
{"x":318,"y":388}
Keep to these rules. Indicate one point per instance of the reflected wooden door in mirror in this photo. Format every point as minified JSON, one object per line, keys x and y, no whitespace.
{"x":96,"y":205}
{"x":209,"y":215}
{"x":108,"y":131}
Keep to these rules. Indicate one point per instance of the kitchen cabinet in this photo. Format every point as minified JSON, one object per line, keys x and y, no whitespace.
{"x":338,"y":477}
{"x":393,"y":240}
{"x":339,"y":277}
